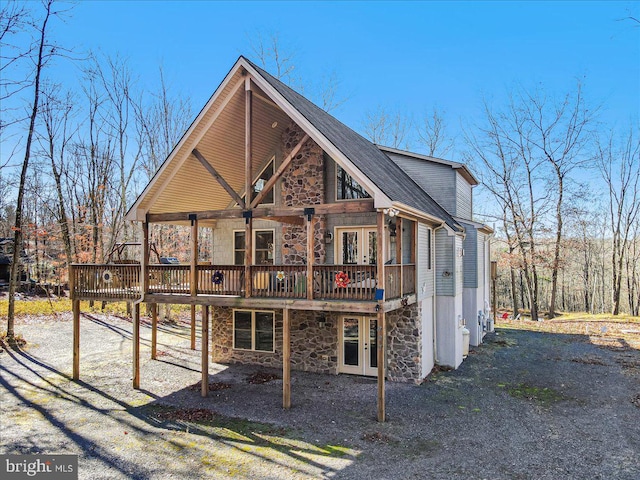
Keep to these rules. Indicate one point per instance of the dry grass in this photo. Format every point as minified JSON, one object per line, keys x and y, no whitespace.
{"x":617,"y":333}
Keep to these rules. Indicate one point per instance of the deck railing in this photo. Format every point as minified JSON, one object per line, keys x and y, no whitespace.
{"x":115,"y":281}
{"x":330,"y":282}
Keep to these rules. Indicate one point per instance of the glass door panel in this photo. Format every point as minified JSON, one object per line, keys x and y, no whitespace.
{"x":351,"y":342}
{"x":350,"y":248}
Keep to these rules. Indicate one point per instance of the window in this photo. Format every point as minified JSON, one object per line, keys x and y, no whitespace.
{"x":346,"y":187}
{"x":260,"y":181}
{"x":253,"y":330}
{"x":262,"y":247}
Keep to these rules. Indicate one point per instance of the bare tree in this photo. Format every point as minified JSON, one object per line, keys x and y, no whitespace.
{"x":44,"y":53}
{"x":14,"y":23}
{"x":386,"y":128}
{"x":557,"y":133}
{"x":432,"y":134}
{"x":619,"y":164}
{"x":58,"y":132}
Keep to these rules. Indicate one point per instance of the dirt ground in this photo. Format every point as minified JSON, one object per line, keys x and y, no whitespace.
{"x":561,"y":402}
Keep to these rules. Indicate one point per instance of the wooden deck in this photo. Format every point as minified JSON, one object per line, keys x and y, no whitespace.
{"x":173,"y":282}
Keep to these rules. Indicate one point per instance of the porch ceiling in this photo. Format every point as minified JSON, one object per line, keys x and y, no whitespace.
{"x":188,"y":186}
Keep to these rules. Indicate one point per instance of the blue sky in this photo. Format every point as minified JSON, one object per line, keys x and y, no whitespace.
{"x":404,"y":56}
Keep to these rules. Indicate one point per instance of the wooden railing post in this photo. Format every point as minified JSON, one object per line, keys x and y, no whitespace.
{"x":144,"y":265}
{"x":310,"y":250}
{"x":193,"y":278}
{"x":399,"y":252}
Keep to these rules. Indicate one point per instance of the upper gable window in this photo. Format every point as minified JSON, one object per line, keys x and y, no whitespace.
{"x":260,"y":182}
{"x":347,"y":188}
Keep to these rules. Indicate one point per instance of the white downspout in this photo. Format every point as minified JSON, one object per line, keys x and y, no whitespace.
{"x":435,"y":317}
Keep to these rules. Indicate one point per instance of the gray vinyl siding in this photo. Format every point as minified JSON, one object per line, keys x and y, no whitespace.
{"x":437,"y":180}
{"x":346,"y":220}
{"x":425,"y":275}
{"x":470,"y":259}
{"x":464,"y":208}
{"x":445,"y":278}
{"x":458,"y":257}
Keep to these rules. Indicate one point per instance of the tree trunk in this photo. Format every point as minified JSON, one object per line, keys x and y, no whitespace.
{"x":17,"y":237}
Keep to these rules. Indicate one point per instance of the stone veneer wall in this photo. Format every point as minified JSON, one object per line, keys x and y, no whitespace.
{"x":302,"y":184}
{"x":404,"y":332}
{"x":313,"y":347}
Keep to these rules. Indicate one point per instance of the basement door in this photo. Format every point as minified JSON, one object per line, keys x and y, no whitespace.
{"x":358,"y":352}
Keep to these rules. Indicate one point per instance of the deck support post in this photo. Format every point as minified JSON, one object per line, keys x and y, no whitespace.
{"x":382,"y":335}
{"x":76,"y":339}
{"x":193,"y":327}
{"x":154,"y":330}
{"x":248,"y":184}
{"x":204,"y":391}
{"x":286,"y":359}
{"x":399,"y":252}
{"x":382,"y":327}
{"x":136,"y":345}
{"x":310,"y":254}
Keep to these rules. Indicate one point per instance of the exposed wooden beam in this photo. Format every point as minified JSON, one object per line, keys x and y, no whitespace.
{"x":144,"y":281}
{"x":193,"y":327}
{"x":382,"y":334}
{"x":268,"y":303}
{"x":218,"y":178}
{"x":360,"y":206}
{"x":278,"y":173}
{"x":289,"y":220}
{"x":310,"y":255}
{"x":286,"y":359}
{"x":76,"y":339}
{"x":248,"y":257}
{"x":192,"y":141}
{"x":381,"y":330}
{"x":248,"y":153}
{"x":154,"y":330}
{"x":204,"y":390}
{"x":193,"y":271}
{"x":136,"y":345}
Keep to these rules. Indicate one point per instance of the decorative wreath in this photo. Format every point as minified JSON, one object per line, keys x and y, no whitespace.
{"x":107,"y":276}
{"x":217,"y":277}
{"x":280,"y":275}
{"x":342,"y":279}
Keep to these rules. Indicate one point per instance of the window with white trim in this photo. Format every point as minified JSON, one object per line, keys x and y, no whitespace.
{"x":253,"y":330}
{"x":262,"y":247}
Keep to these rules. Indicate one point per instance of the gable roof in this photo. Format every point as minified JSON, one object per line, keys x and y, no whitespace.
{"x":366,"y":156}
{"x":464,"y":170}
{"x":367,"y":163}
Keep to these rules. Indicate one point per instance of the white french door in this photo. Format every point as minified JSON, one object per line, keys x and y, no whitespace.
{"x":356,"y":246}
{"x":358,"y":342}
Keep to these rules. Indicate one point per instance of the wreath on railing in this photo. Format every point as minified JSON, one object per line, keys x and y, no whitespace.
{"x":107,"y":276}
{"x":280,"y":275}
{"x":217,"y":278}
{"x":342,"y":279}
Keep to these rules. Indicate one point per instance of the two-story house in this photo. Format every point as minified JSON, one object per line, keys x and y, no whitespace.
{"x":330,"y":254}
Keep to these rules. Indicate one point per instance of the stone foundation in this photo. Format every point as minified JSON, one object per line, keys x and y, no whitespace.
{"x":404,"y":332}
{"x":313,"y":347}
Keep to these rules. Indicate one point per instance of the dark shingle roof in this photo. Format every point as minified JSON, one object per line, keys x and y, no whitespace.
{"x":375,"y":164}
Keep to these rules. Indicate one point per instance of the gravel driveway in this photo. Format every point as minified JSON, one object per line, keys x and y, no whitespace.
{"x":526,"y":405}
